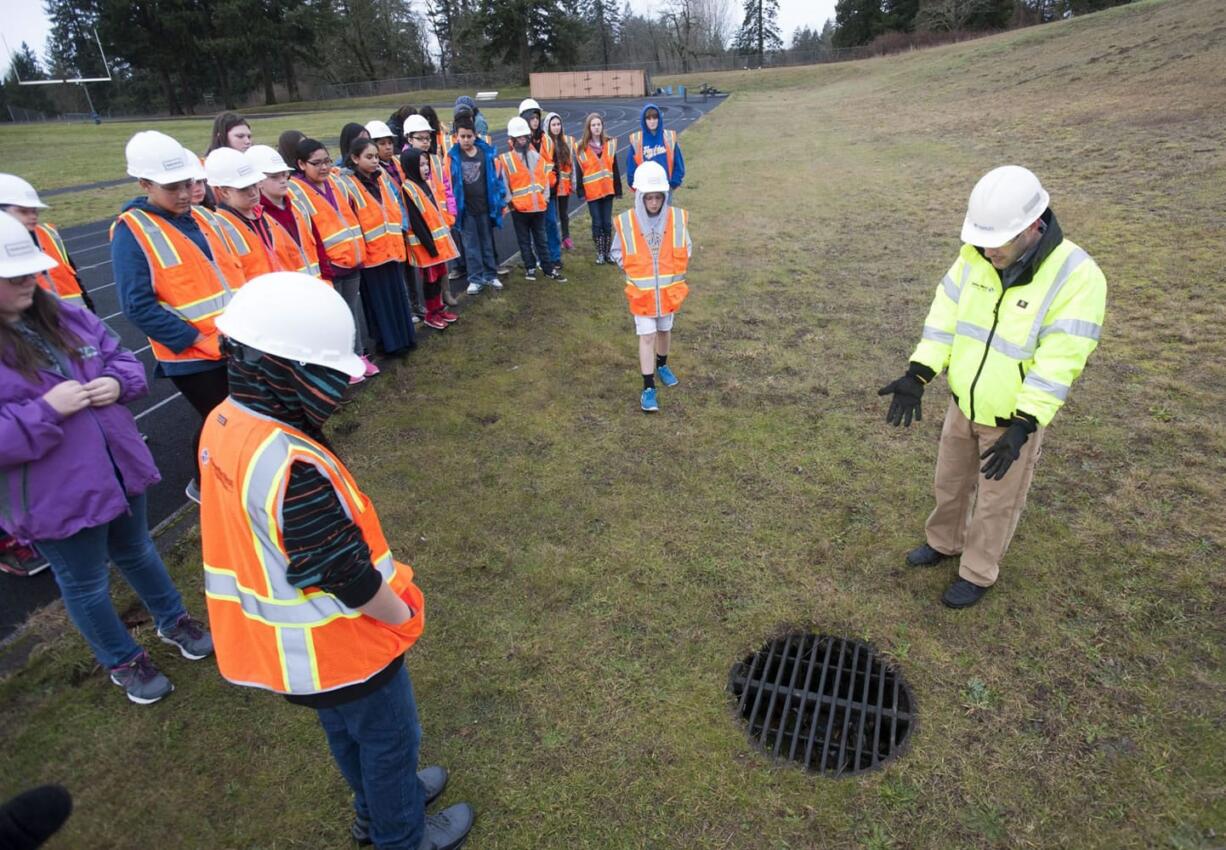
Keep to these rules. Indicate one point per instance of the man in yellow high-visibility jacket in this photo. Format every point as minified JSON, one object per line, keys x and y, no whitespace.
{"x":1013,"y":322}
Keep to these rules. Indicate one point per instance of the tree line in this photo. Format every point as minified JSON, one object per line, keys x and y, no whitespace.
{"x":187,"y":56}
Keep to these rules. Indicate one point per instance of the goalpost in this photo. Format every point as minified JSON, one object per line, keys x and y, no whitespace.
{"x":76,"y":81}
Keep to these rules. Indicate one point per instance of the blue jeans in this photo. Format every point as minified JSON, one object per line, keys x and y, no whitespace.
{"x":601,"y":211}
{"x":374,"y":741}
{"x":83,"y":572}
{"x":479,"y":249}
{"x":552,"y":238}
{"x":530,"y":231}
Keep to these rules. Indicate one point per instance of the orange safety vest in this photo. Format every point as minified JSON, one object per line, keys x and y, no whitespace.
{"x":214,"y":234}
{"x":380,"y":221}
{"x":266,"y":632}
{"x":655,"y":287}
{"x":670,"y":145}
{"x":338,"y":227}
{"x":60,"y":281}
{"x":185,"y":281}
{"x":250,"y":249}
{"x":565,"y":174}
{"x":295,"y":255}
{"x":439,"y":231}
{"x":529,"y":189}
{"x":439,"y":188}
{"x":598,"y":171}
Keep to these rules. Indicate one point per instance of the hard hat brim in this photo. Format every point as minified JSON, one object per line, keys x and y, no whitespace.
{"x":980,"y":238}
{"x":240,"y":183}
{"x":165,"y":178}
{"x":34,"y":264}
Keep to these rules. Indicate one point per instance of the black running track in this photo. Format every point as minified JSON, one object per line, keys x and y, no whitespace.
{"x":167,"y":419}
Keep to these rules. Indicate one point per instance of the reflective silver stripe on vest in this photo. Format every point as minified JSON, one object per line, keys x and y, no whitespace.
{"x":678,"y":229}
{"x":952,"y":290}
{"x":295,"y":646}
{"x":651,"y":282}
{"x":1073,"y":327}
{"x":1036,"y":381}
{"x":1070,"y":265}
{"x":202,"y":309}
{"x":235,"y":238}
{"x":1002,"y":345}
{"x":167,"y":257}
{"x":937,"y":335}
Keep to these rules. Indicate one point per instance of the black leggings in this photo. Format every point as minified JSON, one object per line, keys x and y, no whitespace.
{"x":563,"y":215}
{"x":203,"y":391}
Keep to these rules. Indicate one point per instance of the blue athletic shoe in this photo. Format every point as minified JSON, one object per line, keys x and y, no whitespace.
{"x":648,"y":400}
{"x":666,"y":376}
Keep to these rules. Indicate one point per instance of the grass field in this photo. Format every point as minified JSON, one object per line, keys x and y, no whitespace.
{"x":592,"y":573}
{"x":96,"y":152}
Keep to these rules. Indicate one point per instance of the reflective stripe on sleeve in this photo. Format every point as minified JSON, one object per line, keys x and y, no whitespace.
{"x":1054,"y":388}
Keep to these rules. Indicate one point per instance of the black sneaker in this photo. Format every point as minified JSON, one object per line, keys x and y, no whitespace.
{"x":530,"y":274}
{"x":557,"y":275}
{"x":963,"y":594}
{"x":433,"y":780}
{"x":925,"y":556}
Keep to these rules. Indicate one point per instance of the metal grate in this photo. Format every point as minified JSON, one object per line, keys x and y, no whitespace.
{"x":831,"y":704}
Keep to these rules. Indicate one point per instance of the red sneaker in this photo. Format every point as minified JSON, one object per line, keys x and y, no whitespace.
{"x":436,"y":321}
{"x":448,"y":316}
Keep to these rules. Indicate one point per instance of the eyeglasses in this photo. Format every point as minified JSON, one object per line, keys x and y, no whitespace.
{"x":420,"y":137}
{"x":319,"y":163}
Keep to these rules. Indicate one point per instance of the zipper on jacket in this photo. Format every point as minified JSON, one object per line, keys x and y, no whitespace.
{"x":987,"y":348}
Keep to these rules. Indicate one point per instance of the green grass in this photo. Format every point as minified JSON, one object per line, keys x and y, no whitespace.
{"x":592,"y":573}
{"x":97,"y":152}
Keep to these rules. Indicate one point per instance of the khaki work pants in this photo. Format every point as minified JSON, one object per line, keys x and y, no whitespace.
{"x":976,"y":517}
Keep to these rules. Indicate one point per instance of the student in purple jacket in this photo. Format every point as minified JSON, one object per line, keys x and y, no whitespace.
{"x":74,"y":469}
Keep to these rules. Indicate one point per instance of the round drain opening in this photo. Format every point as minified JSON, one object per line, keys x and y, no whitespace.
{"x":831,"y":704}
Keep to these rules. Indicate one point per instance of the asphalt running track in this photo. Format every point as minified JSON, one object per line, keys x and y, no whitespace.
{"x":168,"y":421}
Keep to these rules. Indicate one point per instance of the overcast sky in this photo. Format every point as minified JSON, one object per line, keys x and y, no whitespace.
{"x":24,"y":20}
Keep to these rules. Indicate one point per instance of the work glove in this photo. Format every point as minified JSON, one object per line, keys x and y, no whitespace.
{"x":905,"y":405}
{"x":1008,"y":448}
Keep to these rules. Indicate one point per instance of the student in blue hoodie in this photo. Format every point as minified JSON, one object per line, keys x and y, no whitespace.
{"x":479,"y":201}
{"x":655,"y":144}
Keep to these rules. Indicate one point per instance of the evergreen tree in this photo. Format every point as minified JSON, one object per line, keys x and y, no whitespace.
{"x":760,"y":29}
{"x":24,"y":66}
{"x":605,"y":19}
{"x":527,"y":34}
{"x":857,"y":21}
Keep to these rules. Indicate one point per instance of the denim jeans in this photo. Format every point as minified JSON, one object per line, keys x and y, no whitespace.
{"x":374,"y":741}
{"x":602,"y":215}
{"x":530,"y":231}
{"x":552,"y":238}
{"x":83,"y":572}
{"x":479,"y":249}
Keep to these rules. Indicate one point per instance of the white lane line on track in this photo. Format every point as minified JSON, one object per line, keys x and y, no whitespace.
{"x":161,"y":403}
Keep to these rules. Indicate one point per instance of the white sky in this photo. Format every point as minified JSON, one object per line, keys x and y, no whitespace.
{"x":24,"y":20}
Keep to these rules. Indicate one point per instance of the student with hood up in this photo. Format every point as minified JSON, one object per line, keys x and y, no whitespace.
{"x":653,"y":143}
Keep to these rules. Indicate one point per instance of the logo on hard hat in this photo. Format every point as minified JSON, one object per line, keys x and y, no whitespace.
{"x":244,"y":170}
{"x":172,"y":164}
{"x":20,"y":249}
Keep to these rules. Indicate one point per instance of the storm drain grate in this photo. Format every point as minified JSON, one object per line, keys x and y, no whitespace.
{"x":831,"y":704}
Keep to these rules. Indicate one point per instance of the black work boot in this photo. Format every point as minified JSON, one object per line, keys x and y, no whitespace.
{"x":598,"y":241}
{"x":925,"y":556}
{"x":963,"y":594}
{"x":433,"y":780}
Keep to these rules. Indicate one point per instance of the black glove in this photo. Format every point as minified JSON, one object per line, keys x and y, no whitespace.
{"x":907,"y":392}
{"x":1008,"y":448}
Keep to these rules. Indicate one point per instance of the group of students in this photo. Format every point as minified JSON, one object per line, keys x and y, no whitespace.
{"x":235,"y":267}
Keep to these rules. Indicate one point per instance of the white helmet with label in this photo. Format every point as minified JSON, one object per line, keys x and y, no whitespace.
{"x":267,"y":159}
{"x":650,"y":177}
{"x":1003,"y":203}
{"x":379,"y":130}
{"x":231,"y":169}
{"x":416,"y":124}
{"x":296,"y":317}
{"x":518,"y":127}
{"x":18,"y":193}
{"x":19,"y":256}
{"x":155,"y":156}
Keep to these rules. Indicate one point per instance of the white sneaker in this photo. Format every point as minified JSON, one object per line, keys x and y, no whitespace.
{"x":474,"y":289}
{"x":495,"y":284}
{"x":192,"y":491}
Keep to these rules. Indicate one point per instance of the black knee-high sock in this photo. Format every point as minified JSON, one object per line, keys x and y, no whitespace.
{"x":661,"y":360}
{"x":649,"y":382}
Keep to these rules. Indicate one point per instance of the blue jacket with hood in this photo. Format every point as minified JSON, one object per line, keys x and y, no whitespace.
{"x":653,"y":149}
{"x":493,"y":184}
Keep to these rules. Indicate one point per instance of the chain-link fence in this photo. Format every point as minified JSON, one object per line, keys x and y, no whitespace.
{"x":396,"y":85}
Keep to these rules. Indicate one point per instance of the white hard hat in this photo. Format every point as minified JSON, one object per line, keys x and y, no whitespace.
{"x":195,"y":164}
{"x":155,"y":156}
{"x":266,"y":159}
{"x":18,"y":193}
{"x":518,"y":127}
{"x":1003,"y":203}
{"x":294,"y":316}
{"x":528,"y":103}
{"x":650,"y":177}
{"x":231,"y":169}
{"x":379,"y":130}
{"x":19,"y":256}
{"x":417,"y":124}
